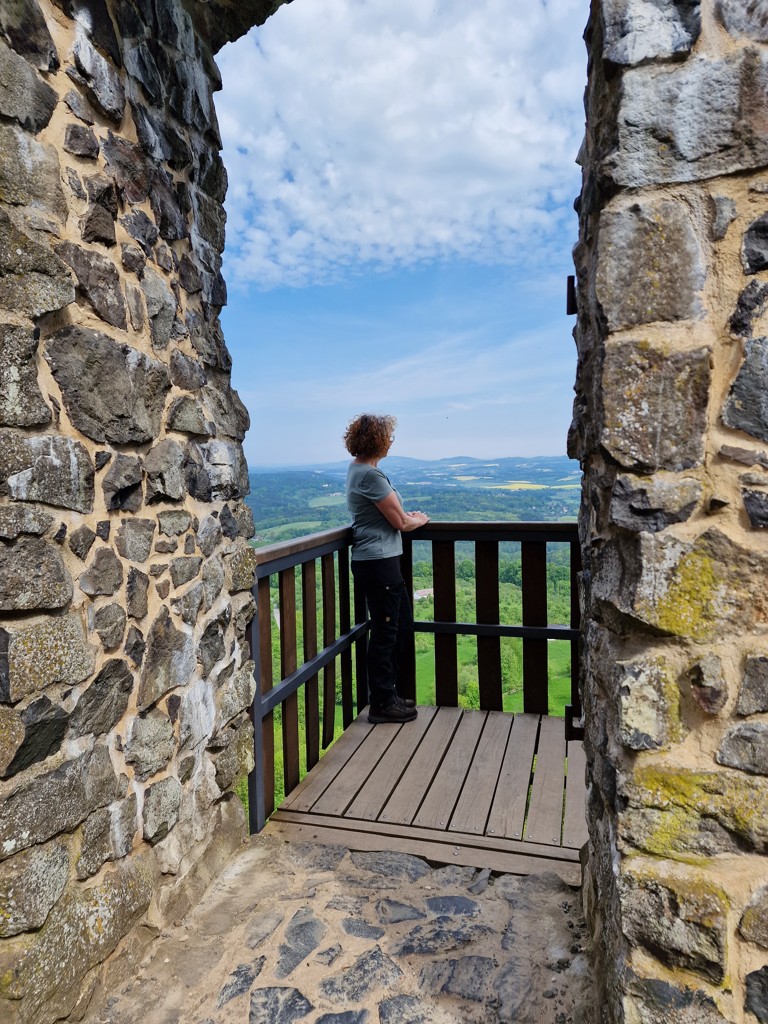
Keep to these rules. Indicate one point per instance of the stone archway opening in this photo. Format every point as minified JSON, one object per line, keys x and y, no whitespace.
{"x":124,"y":565}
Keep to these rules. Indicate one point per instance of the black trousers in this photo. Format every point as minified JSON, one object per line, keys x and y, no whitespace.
{"x":389,"y":609}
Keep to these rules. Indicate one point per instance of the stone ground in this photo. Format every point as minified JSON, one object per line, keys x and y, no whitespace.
{"x":322,"y":935}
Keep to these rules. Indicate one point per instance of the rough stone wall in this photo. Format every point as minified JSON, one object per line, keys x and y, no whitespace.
{"x":124,"y":564}
{"x":671,"y":425}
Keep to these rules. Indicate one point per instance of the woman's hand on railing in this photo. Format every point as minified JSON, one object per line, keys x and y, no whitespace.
{"x":414,"y":520}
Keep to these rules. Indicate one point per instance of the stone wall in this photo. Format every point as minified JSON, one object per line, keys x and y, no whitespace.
{"x":671,"y":425}
{"x":124,"y":564}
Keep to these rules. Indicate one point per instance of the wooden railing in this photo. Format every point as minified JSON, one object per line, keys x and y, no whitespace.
{"x":343,"y":627}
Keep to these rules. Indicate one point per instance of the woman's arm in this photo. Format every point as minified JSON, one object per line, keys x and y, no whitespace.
{"x":393,"y":512}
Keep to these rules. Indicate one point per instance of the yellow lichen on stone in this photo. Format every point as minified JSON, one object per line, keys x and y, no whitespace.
{"x":688,"y":606}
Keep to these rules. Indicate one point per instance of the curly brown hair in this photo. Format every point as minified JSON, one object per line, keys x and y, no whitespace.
{"x":368,"y":436}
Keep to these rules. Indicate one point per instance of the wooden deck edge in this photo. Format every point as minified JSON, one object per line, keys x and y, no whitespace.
{"x":439,"y":852}
{"x":467,"y":839}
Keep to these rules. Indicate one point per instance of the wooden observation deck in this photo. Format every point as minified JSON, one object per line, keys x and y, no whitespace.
{"x":485,"y":788}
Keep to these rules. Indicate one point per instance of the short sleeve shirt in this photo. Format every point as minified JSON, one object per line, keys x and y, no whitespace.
{"x":372,"y":535}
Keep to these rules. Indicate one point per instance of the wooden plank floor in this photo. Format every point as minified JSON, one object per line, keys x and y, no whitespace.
{"x":479,"y":788}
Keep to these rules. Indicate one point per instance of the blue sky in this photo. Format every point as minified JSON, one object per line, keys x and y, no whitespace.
{"x":400,"y":224}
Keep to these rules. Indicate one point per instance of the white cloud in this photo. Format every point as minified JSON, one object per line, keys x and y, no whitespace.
{"x":379,"y":133}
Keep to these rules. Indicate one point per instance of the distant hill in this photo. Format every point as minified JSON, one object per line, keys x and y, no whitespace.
{"x":291,"y":501}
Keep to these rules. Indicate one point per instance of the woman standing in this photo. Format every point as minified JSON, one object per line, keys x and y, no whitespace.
{"x":378,"y":520}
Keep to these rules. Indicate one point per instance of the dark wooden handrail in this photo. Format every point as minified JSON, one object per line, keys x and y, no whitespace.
{"x":344,"y":629}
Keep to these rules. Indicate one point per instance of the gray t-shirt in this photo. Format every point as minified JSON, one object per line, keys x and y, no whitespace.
{"x":372,"y":535}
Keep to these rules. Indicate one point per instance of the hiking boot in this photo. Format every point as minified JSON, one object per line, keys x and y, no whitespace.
{"x":397,"y":711}
{"x":409,"y":703}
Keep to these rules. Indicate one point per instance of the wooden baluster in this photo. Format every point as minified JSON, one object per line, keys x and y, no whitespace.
{"x":329,"y":635}
{"x":311,"y":703}
{"x":487,"y":604}
{"x":535,"y":661}
{"x":446,"y":665}
{"x":361,"y":651}
{"x":267,"y":724}
{"x":407,"y":671}
{"x":575,"y":624}
{"x":291,"y":772}
{"x":347,"y":710}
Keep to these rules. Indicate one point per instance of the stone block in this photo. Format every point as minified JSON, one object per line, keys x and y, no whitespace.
{"x":216,"y":471}
{"x":24,"y":96}
{"x":18,"y":520}
{"x":45,"y":468}
{"x":746,"y":408}
{"x":47,"y":805}
{"x":723,"y":215}
{"x":174,"y":523}
{"x":134,"y":539}
{"x":229,"y":414}
{"x":112,"y":392}
{"x":104,"y":575}
{"x":164,"y":466}
{"x":98,"y":226}
{"x":139,"y":226}
{"x":24,"y":27}
{"x":107,"y":835}
{"x":30,"y":173}
{"x":122,"y":484}
{"x":753,"y":925}
{"x":33,"y":280}
{"x":673,"y":812}
{"x":161,"y":307}
{"x":135,"y":645}
{"x":703,"y":589}
{"x":650,"y":265}
{"x":109,"y":623}
{"x":691,"y":121}
{"x":683,"y":922}
{"x":753,"y":695}
{"x":196,"y":715}
{"x":241,"y":569}
{"x":745,"y":747}
{"x":756,"y":1001}
{"x":744,"y":19}
{"x":187,"y":416}
{"x":184,"y":569}
{"x":754,"y":250}
{"x":170,"y":211}
{"x":649,"y":704}
{"x":104,"y":703}
{"x":80,"y":140}
{"x":236,"y":760}
{"x":136,"y":591}
{"x":708,"y":684}
{"x":98,"y":280}
{"x":34,"y":657}
{"x":209,"y":534}
{"x":169,"y":661}
{"x":44,"y":725}
{"x":637,"y":31}
{"x":212,"y":648}
{"x":87,"y":923}
{"x":102,"y":83}
{"x":33,"y":576}
{"x":756,"y":506}
{"x":654,"y":406}
{"x":653,"y":503}
{"x":30,"y":885}
{"x":21,"y":401}
{"x":161,"y":808}
{"x":652,"y":1001}
{"x":234,"y":692}
{"x":151,"y":743}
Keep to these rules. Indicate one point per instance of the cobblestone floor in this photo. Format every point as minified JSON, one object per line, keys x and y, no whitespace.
{"x":320,"y":935}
